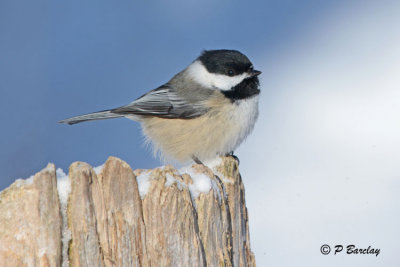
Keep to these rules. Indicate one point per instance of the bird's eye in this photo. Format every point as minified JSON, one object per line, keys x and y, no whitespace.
{"x":251,"y":68}
{"x":230,"y":73}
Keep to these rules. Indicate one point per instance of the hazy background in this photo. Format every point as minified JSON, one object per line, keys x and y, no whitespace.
{"x":323,"y":163}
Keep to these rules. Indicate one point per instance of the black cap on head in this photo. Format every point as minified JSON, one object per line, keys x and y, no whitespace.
{"x":227,"y":62}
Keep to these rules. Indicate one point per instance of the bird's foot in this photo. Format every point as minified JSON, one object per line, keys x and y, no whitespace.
{"x":196,"y":159}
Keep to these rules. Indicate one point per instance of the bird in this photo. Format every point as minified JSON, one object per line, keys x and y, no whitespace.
{"x":205,"y":111}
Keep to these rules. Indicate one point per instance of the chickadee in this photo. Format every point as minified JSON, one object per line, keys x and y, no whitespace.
{"x":206,"y":110}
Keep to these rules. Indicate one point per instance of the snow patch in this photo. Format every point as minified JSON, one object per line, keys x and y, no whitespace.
{"x":213,"y":163}
{"x":201,"y":182}
{"x":144,"y":181}
{"x":29,"y":180}
{"x":98,"y":169}
{"x":20,"y":182}
{"x":63,"y":186}
{"x":64,"y":189}
{"x":171,"y":180}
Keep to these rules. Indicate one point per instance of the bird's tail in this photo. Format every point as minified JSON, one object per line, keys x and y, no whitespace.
{"x":101,"y":115}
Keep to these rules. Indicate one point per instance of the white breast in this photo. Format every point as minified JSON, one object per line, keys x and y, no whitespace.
{"x":244,"y":115}
{"x":215,"y":133}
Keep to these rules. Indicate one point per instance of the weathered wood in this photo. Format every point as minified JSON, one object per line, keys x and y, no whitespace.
{"x":119,"y":215}
{"x":113,"y":221}
{"x":30,"y":221}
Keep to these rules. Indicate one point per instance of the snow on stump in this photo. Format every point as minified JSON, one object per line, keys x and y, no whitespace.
{"x":113,"y":216}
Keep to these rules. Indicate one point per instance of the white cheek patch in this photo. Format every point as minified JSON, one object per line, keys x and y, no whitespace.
{"x":200,"y":74}
{"x":224,"y":82}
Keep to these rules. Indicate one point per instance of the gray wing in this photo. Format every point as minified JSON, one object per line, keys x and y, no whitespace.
{"x":163,"y":102}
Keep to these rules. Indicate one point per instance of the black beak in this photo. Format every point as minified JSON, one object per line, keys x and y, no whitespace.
{"x":254,"y":73}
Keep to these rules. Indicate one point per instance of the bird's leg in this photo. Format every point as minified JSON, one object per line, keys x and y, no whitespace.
{"x":230,"y":154}
{"x":196,"y":159}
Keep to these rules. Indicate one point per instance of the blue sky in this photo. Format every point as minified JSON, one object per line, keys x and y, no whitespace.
{"x":64,"y":58}
{"x":322,"y":163}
